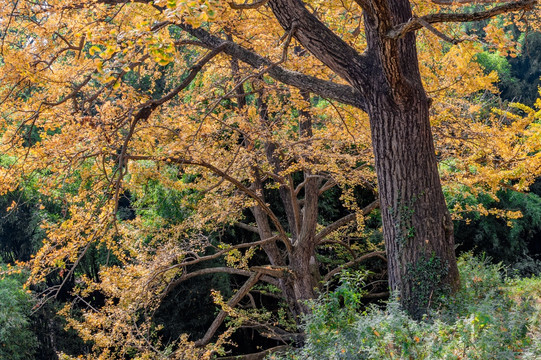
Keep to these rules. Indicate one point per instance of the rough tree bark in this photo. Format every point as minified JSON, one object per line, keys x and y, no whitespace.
{"x":417,"y":227}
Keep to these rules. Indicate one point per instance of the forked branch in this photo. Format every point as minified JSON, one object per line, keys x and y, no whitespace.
{"x":254,"y":278}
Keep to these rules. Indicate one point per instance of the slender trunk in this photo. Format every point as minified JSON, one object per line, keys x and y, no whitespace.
{"x":299,"y":287}
{"x":287,"y":285}
{"x":303,"y":261}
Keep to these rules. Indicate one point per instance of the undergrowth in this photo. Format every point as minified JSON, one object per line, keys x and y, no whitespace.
{"x":491,"y":317}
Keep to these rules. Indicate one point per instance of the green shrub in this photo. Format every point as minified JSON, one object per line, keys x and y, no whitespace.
{"x":333,"y":316}
{"x":491,"y":317}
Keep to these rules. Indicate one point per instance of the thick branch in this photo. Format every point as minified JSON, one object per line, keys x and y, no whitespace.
{"x":247,"y":227}
{"x":325,"y":45}
{"x":327,"y":89}
{"x":417,"y":23}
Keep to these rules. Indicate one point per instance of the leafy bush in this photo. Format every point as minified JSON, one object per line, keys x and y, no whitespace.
{"x":491,"y":317}
{"x":333,"y":316}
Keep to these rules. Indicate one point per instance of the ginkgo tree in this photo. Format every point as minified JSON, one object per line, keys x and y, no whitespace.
{"x":223,"y":102}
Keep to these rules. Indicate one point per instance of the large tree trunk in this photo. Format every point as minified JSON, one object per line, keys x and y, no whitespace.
{"x":417,"y":227}
{"x":416,"y":223}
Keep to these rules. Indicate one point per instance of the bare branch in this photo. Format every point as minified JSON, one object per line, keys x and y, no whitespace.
{"x":299,"y":187}
{"x":329,"y":184}
{"x":414,"y":24}
{"x":272,"y":270}
{"x":254,"y":278}
{"x":244,"y":226}
{"x":378,"y":254}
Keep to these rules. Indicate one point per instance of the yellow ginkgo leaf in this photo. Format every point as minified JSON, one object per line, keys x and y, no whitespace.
{"x":93,"y":50}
